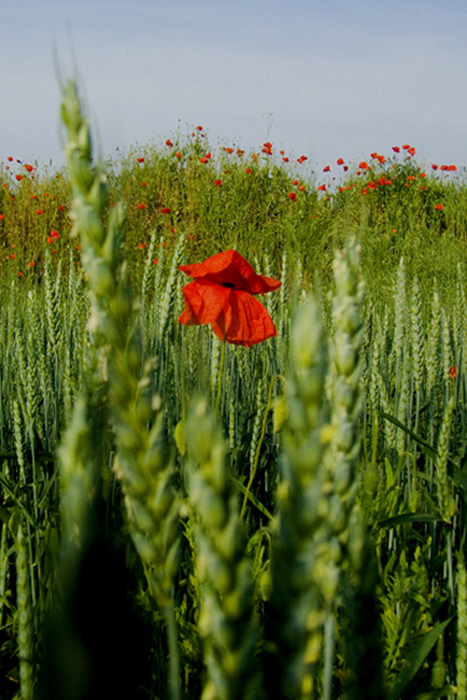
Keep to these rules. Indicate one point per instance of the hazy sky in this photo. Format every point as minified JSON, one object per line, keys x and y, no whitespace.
{"x":328,"y":78}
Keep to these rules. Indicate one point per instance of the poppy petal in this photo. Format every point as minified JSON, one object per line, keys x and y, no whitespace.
{"x":244,"y":321}
{"x":229,"y":267}
{"x":204,"y":302}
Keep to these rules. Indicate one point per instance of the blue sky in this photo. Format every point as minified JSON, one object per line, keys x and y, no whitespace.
{"x":326,"y":79}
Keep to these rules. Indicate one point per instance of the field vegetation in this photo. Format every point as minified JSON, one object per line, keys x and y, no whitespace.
{"x":194,"y":505}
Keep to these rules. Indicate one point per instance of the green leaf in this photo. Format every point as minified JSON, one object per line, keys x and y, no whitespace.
{"x":252,"y":498}
{"x":424,"y":446}
{"x":410,"y":517}
{"x":415,"y":659}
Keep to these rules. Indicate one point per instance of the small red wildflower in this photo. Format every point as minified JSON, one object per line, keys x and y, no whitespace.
{"x":141,"y":205}
{"x":365,"y":191}
{"x":169,"y":143}
{"x":178,"y":154}
{"x":222,"y":295}
{"x":165,"y":210}
{"x":218,"y":183}
{"x":200,"y":128}
{"x":228,"y":150}
{"x":302,"y":159}
{"x":55,"y":234}
{"x":267,"y":148}
{"x":301,"y":188}
{"x":292,"y":196}
{"x":142,"y":245}
{"x":140,"y":160}
{"x":39,"y":211}
{"x":9,"y":159}
{"x":406,"y":146}
{"x":28,"y":167}
{"x":411,"y":151}
{"x":410,"y":177}
{"x":155,"y":261}
{"x":364,"y":165}
{"x":396,"y":149}
{"x":422,"y":174}
{"x":285,"y":159}
{"x":12,"y":256}
{"x":60,"y":207}
{"x":439,"y":207}
{"x":248,"y":171}
{"x":144,"y":184}
{"x":322,"y":188}
{"x":19,"y":177}
{"x":203,"y":159}
{"x":345,"y":168}
{"x":381,"y":159}
{"x":240,"y":152}
{"x":2,"y":216}
{"x":31,"y":264}
{"x":327,"y":169}
{"x":435,"y":167}
{"x":208,"y":155}
{"x":453,"y":372}
{"x":425,"y":189}
{"x":340,"y":161}
{"x":452,"y":168}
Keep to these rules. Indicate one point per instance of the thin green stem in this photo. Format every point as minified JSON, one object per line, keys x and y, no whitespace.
{"x":263,"y":431}
{"x":219,"y":380}
{"x":174,"y":660}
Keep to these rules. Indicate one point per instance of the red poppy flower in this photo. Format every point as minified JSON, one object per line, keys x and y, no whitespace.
{"x":439,"y":207}
{"x":452,"y":168}
{"x":19,"y":177}
{"x":55,"y":234}
{"x":302,"y":159}
{"x":322,"y":188}
{"x":222,"y":295}
{"x":218,"y":183}
{"x":39,"y":211}
{"x":452,"y":372}
{"x":292,"y":196}
{"x":165,"y":210}
{"x":364,"y":165}
{"x":435,"y":167}
{"x":28,"y":167}
{"x":203,"y":159}
{"x":2,"y":216}
{"x":248,"y":171}
{"x":142,"y":245}
{"x":31,"y":264}
{"x":144,"y":184}
{"x":60,"y":207}
{"x":411,"y":150}
{"x":381,"y":159}
{"x":178,"y":154}
{"x":327,"y":169}
{"x":155,"y":261}
{"x":340,"y":161}
{"x":9,"y":159}
{"x":140,"y":160}
{"x":169,"y":143}
{"x":200,"y":128}
{"x":141,"y":206}
{"x":285,"y":159}
{"x":406,"y":146}
{"x":12,"y":256}
{"x":396,"y":149}
{"x":345,"y":168}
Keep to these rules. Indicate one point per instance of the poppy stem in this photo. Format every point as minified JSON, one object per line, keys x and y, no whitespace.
{"x":260,"y":442}
{"x":219,"y":380}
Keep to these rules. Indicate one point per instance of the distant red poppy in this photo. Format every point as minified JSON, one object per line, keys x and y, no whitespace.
{"x":322,"y":188}
{"x":169,"y":143}
{"x":39,"y":211}
{"x":301,"y":188}
{"x":228,"y":150}
{"x":411,"y":150}
{"x":345,"y":168}
{"x":9,"y":159}
{"x":141,"y":205}
{"x":452,"y":167}
{"x":165,"y":210}
{"x":2,"y":216}
{"x":222,"y":295}
{"x":422,"y":174}
{"x":12,"y":256}
{"x":248,"y":171}
{"x":19,"y":177}
{"x":60,"y":207}
{"x":142,"y":245}
{"x":28,"y":167}
{"x":218,"y":183}
{"x":453,"y":372}
{"x":295,"y":182}
{"x":203,"y":159}
{"x":144,"y":184}
{"x":155,"y":261}
{"x":200,"y":128}
{"x":178,"y":154}
{"x":340,"y":161}
{"x":439,"y":207}
{"x":285,"y":159}
{"x":406,"y":146}
{"x":327,"y":169}
{"x":302,"y":159}
{"x":267,"y":148}
{"x":31,"y":264}
{"x":292,"y":196}
{"x":435,"y":167}
{"x":364,"y":165}
{"x":396,"y":149}
{"x":410,"y":177}
{"x":55,"y":234}
{"x":240,"y":152}
{"x":381,"y":159}
{"x":140,"y":160}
